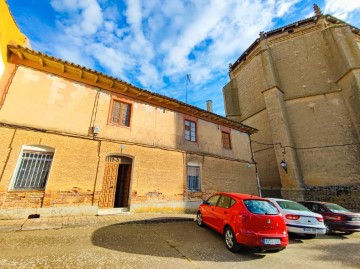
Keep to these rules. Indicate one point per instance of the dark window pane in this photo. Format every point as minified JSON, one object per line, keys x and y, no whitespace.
{"x":193,"y":173}
{"x":190,"y":131}
{"x":261,"y":207}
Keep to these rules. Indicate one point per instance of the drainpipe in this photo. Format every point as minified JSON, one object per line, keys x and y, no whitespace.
{"x":256,"y":170}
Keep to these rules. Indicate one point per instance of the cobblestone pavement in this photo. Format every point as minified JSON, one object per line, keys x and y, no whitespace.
{"x":126,"y":244}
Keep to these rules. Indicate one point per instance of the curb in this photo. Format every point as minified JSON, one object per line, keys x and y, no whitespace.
{"x":61,"y":225}
{"x":160,"y":220}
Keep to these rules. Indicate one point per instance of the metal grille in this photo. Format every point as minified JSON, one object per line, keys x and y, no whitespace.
{"x":33,"y":170}
{"x":193,"y":178}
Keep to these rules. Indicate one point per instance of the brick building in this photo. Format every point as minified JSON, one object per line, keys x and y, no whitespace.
{"x":76,"y":141}
{"x":300,"y":86}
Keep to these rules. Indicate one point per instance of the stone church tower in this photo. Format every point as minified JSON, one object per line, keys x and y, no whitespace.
{"x":300,"y":86}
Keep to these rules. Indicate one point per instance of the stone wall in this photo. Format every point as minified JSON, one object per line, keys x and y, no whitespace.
{"x":346,"y":196}
{"x":300,"y":88}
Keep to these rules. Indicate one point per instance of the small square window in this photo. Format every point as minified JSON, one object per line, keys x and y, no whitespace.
{"x":190,"y":131}
{"x":120,"y":114}
{"x":226,"y":141}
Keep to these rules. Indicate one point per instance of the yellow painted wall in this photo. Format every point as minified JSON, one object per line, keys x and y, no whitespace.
{"x":9,"y":31}
{"x":50,"y":102}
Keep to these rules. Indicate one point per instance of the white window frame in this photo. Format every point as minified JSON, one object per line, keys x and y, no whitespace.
{"x":34,"y":148}
{"x":194,"y":165}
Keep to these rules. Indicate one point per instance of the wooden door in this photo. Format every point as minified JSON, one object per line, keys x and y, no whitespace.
{"x":126,"y":189}
{"x":107,"y":197}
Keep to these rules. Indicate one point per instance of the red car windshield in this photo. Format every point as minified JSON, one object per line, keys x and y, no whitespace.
{"x":336,"y":208}
{"x":261,"y":207}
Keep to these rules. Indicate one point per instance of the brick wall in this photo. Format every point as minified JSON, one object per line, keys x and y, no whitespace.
{"x":76,"y":179}
{"x":347,"y":196}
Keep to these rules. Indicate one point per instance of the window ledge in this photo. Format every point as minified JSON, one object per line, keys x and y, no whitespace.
{"x":26,"y":190}
{"x":118,"y":125}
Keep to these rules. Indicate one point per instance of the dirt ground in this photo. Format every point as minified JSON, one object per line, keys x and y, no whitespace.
{"x":167,"y":245}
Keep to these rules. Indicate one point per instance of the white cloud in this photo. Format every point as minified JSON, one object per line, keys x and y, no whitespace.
{"x":154,"y":43}
{"x":283,"y":7}
{"x":116,"y":62}
{"x":341,"y":9}
{"x":90,"y":18}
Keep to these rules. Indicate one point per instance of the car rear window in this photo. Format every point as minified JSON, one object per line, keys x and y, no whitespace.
{"x":292,"y":205}
{"x":336,"y":208}
{"x":261,"y":207}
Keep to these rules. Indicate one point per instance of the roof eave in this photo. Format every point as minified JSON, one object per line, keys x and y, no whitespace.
{"x":40,"y":60}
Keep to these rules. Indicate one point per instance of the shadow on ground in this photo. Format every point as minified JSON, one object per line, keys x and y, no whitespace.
{"x":175,"y":239}
{"x":346,"y":256}
{"x":299,"y":239}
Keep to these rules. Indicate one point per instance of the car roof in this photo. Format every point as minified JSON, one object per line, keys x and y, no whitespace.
{"x":315,"y":202}
{"x":240,"y":196}
{"x":279,"y":199}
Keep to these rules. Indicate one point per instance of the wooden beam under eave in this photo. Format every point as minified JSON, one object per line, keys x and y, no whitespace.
{"x":111,"y":84}
{"x":125,"y":89}
{"x":139,"y":94}
{"x":150,"y":97}
{"x":62,"y":68}
{"x":41,"y":61}
{"x":96,"y":78}
{"x":20,"y":55}
{"x":80,"y":74}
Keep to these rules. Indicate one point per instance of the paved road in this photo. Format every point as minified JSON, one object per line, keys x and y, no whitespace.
{"x":164,"y":245}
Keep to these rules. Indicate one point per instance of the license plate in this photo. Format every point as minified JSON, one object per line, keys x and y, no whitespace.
{"x":309,"y":230}
{"x":268,"y":241}
{"x":355,"y":219}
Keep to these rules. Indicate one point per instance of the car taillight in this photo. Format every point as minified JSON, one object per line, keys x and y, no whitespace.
{"x":320,"y":219}
{"x":292,"y":217}
{"x":340,"y":218}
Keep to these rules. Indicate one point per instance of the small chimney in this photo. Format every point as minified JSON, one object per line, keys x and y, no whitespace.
{"x":209,"y":105}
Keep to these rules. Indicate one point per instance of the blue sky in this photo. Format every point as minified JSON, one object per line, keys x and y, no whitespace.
{"x":153,"y":44}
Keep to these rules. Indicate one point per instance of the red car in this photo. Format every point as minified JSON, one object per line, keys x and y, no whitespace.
{"x":244,"y":220}
{"x":336,"y":218}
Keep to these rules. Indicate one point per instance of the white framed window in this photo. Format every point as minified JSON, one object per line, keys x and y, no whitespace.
{"x":193,"y":177}
{"x":33,"y":167}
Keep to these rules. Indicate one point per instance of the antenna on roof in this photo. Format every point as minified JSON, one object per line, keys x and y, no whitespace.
{"x":317,"y":11}
{"x":187,"y":80}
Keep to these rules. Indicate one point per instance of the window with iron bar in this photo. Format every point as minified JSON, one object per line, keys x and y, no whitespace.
{"x":33,"y":170}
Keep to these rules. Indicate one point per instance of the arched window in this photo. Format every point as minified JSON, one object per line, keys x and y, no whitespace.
{"x":33,"y":167}
{"x":193,"y":177}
